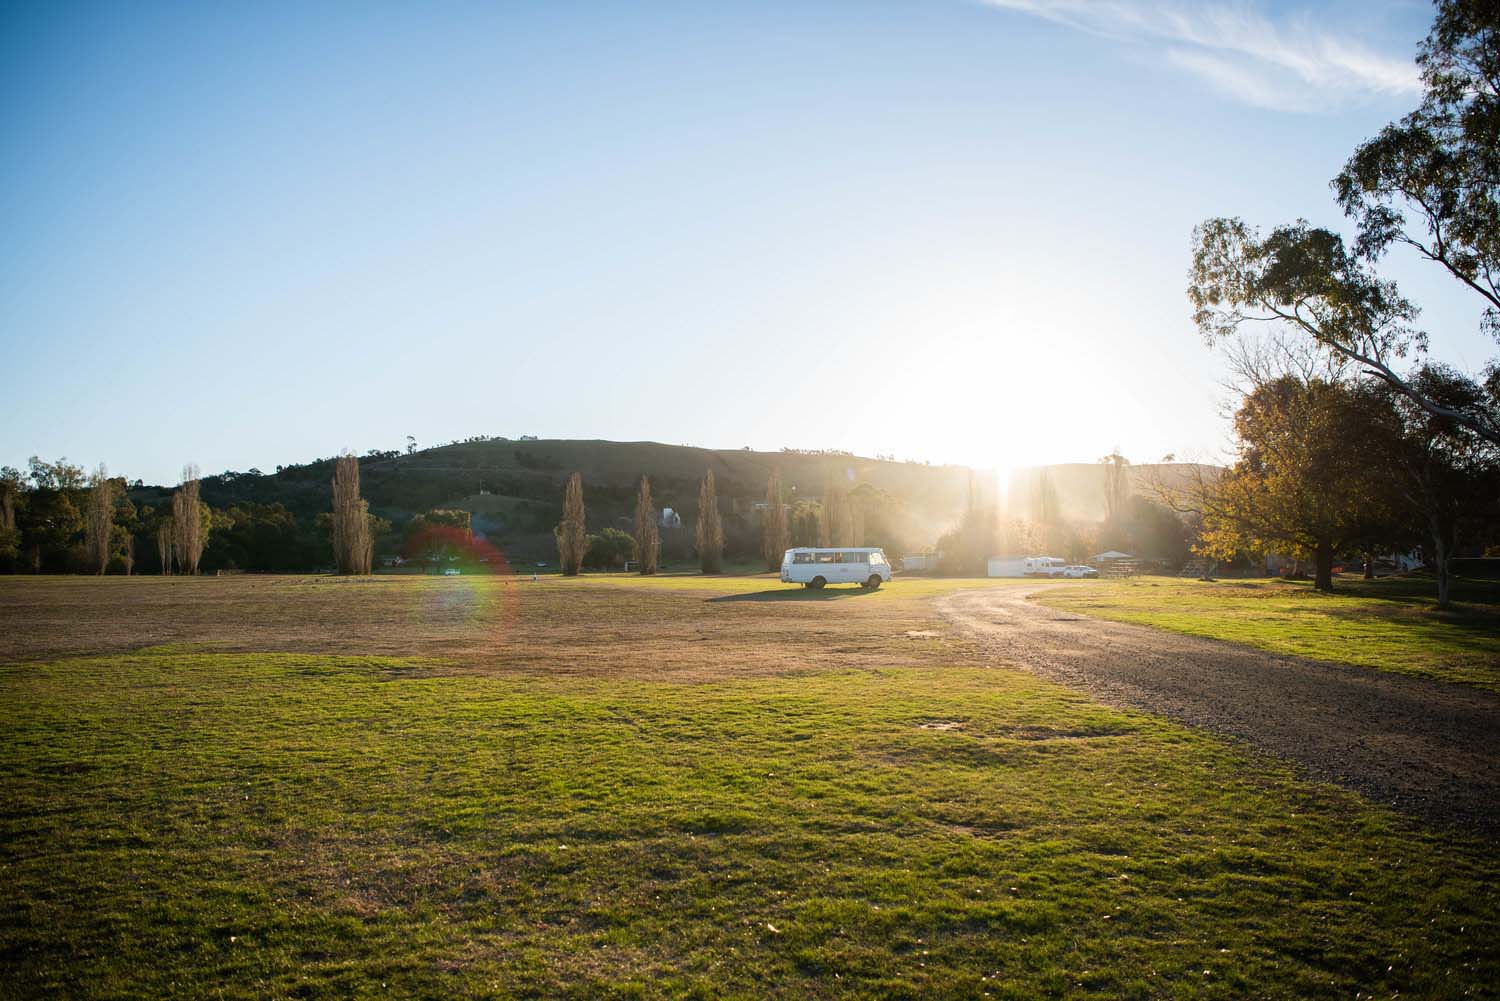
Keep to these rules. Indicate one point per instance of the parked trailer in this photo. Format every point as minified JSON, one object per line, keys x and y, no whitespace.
{"x":815,"y":568}
{"x":1030,"y":566}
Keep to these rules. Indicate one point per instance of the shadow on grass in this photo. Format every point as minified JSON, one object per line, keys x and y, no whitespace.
{"x":1420,"y":590}
{"x":799,"y":594}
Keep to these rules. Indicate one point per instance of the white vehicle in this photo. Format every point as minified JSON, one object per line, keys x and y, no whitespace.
{"x":1079,"y":571}
{"x":1043,"y":566}
{"x":815,"y":568}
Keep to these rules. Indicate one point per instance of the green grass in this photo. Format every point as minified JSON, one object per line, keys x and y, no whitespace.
{"x":194,"y":825}
{"x":1390,"y":625}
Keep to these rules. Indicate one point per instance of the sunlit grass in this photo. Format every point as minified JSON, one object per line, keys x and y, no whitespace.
{"x":1391,"y":625}
{"x":253,"y":825}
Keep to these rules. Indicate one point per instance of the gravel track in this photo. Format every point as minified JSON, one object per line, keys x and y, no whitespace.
{"x":1427,"y":748}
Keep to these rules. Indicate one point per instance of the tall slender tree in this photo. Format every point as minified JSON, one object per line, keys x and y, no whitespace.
{"x":187,"y":523}
{"x":825,"y":514}
{"x":774,"y":528}
{"x":1116,"y":485}
{"x":710,"y":534}
{"x":647,"y":532}
{"x":353,"y":549}
{"x":99,"y":528}
{"x":166,"y":543}
{"x":571,"y":533}
{"x":11,"y":486}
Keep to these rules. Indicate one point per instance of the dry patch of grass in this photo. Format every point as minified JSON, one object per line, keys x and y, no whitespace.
{"x":688,"y":628}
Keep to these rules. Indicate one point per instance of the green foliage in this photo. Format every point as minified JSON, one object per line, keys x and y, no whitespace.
{"x":609,"y":549}
{"x":1430,"y":182}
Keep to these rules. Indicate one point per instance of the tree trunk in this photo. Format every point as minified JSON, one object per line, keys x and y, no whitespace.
{"x":1440,"y":553}
{"x":1323,"y":557}
{"x":1369,"y":566}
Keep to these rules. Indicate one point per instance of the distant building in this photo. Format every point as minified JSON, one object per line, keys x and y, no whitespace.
{"x":670,"y":518}
{"x":920,"y":562}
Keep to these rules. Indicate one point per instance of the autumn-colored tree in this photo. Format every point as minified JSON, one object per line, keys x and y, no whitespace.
{"x":188,"y":523}
{"x":1315,"y":473}
{"x":774,"y":528}
{"x":647,"y":530}
{"x":353,"y":549}
{"x":99,"y":528}
{"x":571,"y":534}
{"x":710,"y":533}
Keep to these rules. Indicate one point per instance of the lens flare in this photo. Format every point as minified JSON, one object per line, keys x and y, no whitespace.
{"x":477,"y":585}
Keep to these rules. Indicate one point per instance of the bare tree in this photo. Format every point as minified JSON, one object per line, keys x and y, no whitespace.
{"x":647,"y":532}
{"x":1116,"y":484}
{"x":572,"y":536}
{"x":99,"y":528}
{"x":188,"y":528}
{"x":166,"y":544}
{"x":774,"y":528}
{"x":353,"y":549}
{"x":710,"y":535}
{"x":127,"y":554}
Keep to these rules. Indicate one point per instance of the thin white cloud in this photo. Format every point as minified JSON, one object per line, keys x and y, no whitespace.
{"x":1292,"y":64}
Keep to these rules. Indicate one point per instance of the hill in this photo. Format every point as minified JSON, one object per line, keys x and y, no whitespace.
{"x":513,"y":488}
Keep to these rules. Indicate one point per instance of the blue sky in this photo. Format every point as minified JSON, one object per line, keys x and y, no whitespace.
{"x":242,"y":235}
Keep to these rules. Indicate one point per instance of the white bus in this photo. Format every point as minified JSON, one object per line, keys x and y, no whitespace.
{"x":814,"y":568}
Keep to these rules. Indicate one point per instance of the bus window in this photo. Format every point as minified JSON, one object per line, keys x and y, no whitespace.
{"x":856,"y":557}
{"x":802,"y":557}
{"x":829,"y":558}
{"x":877,"y":559}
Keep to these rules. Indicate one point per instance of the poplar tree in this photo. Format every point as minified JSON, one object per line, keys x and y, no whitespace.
{"x":647,"y":532}
{"x":774,"y":527}
{"x":165,"y":544}
{"x":101,"y":518}
{"x":572,"y":537}
{"x":838,"y":516}
{"x":710,"y":535}
{"x":187,"y":522}
{"x":353,"y":549}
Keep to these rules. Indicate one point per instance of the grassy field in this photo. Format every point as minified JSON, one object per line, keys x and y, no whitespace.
{"x":1390,"y":625}
{"x":686,"y":787}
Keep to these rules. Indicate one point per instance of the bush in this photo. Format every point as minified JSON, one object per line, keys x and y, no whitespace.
{"x":609,"y":549}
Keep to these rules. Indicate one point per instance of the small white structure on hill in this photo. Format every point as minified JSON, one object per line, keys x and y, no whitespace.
{"x":670,"y":518}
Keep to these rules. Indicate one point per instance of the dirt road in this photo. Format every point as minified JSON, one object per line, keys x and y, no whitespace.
{"x":1428,"y":748}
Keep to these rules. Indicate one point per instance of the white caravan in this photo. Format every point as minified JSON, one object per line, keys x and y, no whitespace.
{"x":814,"y":568}
{"x":1031,"y":566}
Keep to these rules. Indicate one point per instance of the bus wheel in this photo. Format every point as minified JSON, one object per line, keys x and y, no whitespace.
{"x":873,"y":582}
{"x":817,"y":582}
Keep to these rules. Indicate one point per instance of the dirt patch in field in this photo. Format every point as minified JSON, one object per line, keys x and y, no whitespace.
{"x":503,"y":624}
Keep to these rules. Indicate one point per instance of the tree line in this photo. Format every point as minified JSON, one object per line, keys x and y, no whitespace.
{"x":1349,"y":437}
